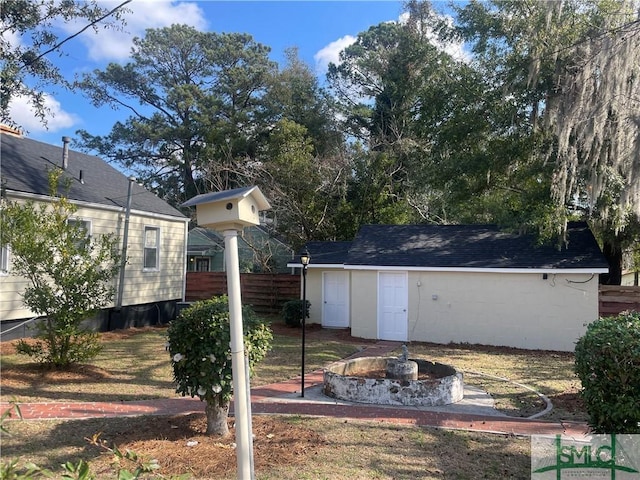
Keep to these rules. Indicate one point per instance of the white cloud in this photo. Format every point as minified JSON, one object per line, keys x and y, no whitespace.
{"x":12,"y":39}
{"x":455,"y":49}
{"x":113,"y":44}
{"x":22,"y":113}
{"x":331,"y":53}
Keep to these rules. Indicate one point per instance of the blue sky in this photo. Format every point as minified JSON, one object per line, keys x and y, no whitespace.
{"x":320,"y":29}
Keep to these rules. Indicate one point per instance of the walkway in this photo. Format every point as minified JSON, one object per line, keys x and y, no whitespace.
{"x":284,"y":398}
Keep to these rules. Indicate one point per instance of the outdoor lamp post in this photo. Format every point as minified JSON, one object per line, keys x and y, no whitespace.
{"x":305,"y":258}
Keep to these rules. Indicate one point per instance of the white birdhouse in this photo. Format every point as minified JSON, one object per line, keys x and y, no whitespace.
{"x":230,"y":209}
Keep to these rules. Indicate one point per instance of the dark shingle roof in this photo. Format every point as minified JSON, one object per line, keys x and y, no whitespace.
{"x":327,"y":253}
{"x":470,"y":246}
{"x":24,"y":164}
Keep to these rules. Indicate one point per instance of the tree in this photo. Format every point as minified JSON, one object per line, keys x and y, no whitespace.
{"x":195,"y":100}
{"x":294,"y":94}
{"x":199,"y":345}
{"x":28,"y":37}
{"x":395,"y":85}
{"x":370,"y":197}
{"x":302,"y":164}
{"x":69,"y":274}
{"x":572,"y":67}
{"x":593,"y":114}
{"x":302,"y":187}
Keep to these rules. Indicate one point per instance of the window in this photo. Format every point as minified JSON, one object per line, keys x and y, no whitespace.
{"x":4,"y":259}
{"x":151,"y":248}
{"x":83,"y":226}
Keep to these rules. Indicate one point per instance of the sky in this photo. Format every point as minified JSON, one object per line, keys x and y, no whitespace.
{"x":319,"y":29}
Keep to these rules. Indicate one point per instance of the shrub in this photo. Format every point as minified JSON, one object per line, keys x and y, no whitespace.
{"x":70,"y":274}
{"x":607,"y":361}
{"x":292,"y":312}
{"x":199,"y":345}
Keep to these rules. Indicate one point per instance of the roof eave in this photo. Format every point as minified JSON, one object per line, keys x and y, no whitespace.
{"x":585,"y":270}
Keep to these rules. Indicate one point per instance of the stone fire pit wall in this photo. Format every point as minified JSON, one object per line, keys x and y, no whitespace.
{"x":343,"y":380}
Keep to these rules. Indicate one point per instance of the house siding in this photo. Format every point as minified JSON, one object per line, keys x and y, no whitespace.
{"x":140,"y":287}
{"x":506,"y":309}
{"x":167,"y":281}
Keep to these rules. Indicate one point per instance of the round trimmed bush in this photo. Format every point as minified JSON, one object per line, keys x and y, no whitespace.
{"x":607,"y":361}
{"x":199,"y":345}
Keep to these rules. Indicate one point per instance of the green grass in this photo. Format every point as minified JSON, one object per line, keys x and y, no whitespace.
{"x":550,"y":373}
{"x":134,"y":365}
{"x":283,"y":361}
{"x":137,"y":367}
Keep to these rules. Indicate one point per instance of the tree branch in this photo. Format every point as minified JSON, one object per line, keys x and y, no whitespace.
{"x":59,"y":44}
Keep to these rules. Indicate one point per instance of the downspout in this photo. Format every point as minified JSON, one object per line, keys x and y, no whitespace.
{"x":125,"y":240}
{"x":184,"y":263}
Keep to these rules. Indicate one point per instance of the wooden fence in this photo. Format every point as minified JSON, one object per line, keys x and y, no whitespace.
{"x":266,"y":292}
{"x":615,"y":299}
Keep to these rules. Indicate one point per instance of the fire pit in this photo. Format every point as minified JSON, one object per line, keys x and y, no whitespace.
{"x":393,"y":381}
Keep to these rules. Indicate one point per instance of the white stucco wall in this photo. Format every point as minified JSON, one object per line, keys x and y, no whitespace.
{"x":314,"y":294}
{"x":514,"y":309}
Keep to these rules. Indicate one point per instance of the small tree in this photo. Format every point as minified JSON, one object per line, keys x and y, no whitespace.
{"x":199,"y":345}
{"x":69,"y":274}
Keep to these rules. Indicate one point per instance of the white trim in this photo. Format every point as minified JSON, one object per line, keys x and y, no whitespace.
{"x":324,"y":266}
{"x":144,"y":247}
{"x":85,"y":220}
{"x":99,"y":206}
{"x":477,"y":270}
{"x":587,"y":271}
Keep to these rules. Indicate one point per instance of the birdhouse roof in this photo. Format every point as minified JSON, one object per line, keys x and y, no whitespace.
{"x":233,"y":194}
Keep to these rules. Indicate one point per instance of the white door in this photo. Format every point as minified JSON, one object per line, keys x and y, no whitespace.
{"x":392,"y":306}
{"x":335,"y":300}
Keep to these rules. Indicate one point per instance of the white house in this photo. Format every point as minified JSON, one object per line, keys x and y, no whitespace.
{"x":457,"y":283}
{"x":154,"y":275}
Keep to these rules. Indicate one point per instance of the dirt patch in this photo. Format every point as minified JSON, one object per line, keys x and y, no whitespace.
{"x":180,"y":446}
{"x":315,"y":331}
{"x":34,"y":375}
{"x":9,"y":347}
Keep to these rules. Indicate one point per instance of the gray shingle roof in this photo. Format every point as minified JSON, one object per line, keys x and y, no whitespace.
{"x":327,"y":253}
{"x":24,"y":164}
{"x":457,"y":246}
{"x":470,"y":246}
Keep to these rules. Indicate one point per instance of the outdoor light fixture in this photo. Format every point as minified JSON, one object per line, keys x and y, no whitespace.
{"x":305,"y":258}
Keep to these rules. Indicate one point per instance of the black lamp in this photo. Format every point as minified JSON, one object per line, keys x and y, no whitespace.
{"x":305,"y":258}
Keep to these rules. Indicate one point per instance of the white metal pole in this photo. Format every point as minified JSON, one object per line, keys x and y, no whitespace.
{"x":241,"y":397}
